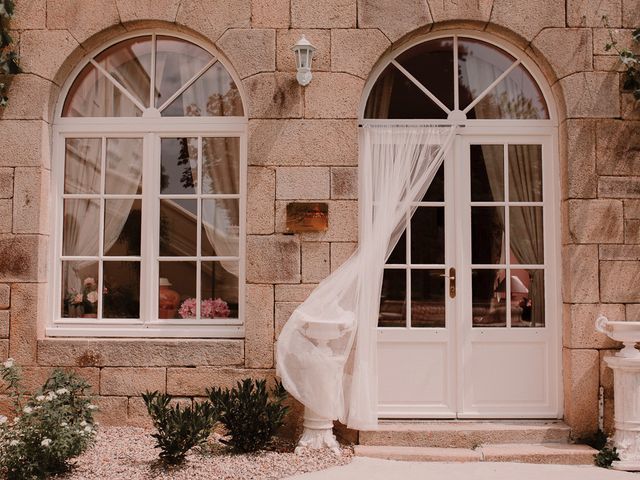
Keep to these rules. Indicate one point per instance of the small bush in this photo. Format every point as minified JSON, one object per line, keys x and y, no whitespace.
{"x":51,"y":427}
{"x":250,"y":417}
{"x":606,"y":456}
{"x":179,"y":429}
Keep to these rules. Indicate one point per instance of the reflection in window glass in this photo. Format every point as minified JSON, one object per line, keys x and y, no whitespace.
{"x":81,"y":223}
{"x":122,"y":227}
{"x":82,"y":165}
{"x":179,"y":166}
{"x":121,"y":290}
{"x":220,"y":165}
{"x":178,"y":227}
{"x":525,"y":173}
{"x":220,"y":227}
{"x":393,"y":304}
{"x":123,"y":166}
{"x":526,"y":235}
{"x":219,"y":290}
{"x":488,"y":295}
{"x":428,"y":298}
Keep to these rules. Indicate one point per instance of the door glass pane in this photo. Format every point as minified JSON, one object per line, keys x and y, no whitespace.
{"x":428,"y":298}
{"x":393,"y":305}
{"x":177,"y":61}
{"x":220,"y":165}
{"x":479,"y":64}
{"x":527,"y":298}
{"x":83,"y":157}
{"x":178,"y":227}
{"x":487,"y":235}
{"x":177,"y":290}
{"x":121,"y":290}
{"x":219,"y":290}
{"x":124,"y":166}
{"x":214,"y":94}
{"x":81,"y":227}
{"x":220,"y":227}
{"x":395,"y":96}
{"x":435,"y":193}
{"x":79,"y":289}
{"x":488,"y":298}
{"x":487,"y":173}
{"x":179,"y":166}
{"x":427,"y":236}
{"x":526,"y":234}
{"x":525,"y":173}
{"x":122,"y":227}
{"x":399,"y":253}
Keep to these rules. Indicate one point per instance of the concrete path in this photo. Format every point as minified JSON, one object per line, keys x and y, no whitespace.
{"x":375,"y":469}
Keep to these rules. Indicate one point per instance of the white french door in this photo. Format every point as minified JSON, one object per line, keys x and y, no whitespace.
{"x":468,"y":324}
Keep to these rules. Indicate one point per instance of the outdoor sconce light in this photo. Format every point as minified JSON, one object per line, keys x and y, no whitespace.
{"x":303,"y":50}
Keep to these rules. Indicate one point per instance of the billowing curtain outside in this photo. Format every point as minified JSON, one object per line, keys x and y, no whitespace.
{"x":327,"y":351}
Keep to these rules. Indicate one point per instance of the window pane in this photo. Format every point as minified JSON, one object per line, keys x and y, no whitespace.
{"x":431,"y":63}
{"x":177,"y":61}
{"x":79,"y":289}
{"x":527,"y":298}
{"x":393,"y":305}
{"x":82,"y":165}
{"x":177,"y":295}
{"x":179,"y":166}
{"x":526,"y":234}
{"x":220,"y":227}
{"x":395,"y":96}
{"x":487,"y":173}
{"x":428,"y":298}
{"x":435,"y":193}
{"x":121,"y":290}
{"x":488,"y":297}
{"x":220,"y":165}
{"x":178,"y":227}
{"x":122,"y":227}
{"x":479,"y":64}
{"x":219,"y":290}
{"x":94,"y":95}
{"x":487,"y":235}
{"x":399,"y":253}
{"x":81,"y":227}
{"x":124,"y":166}
{"x":525,"y":173}
{"x":214,"y":94}
{"x":517,"y":97}
{"x":427,"y":235}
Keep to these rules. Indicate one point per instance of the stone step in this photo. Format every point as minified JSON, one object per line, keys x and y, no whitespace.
{"x":464,"y":434}
{"x":554,"y":453}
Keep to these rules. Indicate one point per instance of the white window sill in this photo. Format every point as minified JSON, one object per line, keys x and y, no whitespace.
{"x":147,"y":331}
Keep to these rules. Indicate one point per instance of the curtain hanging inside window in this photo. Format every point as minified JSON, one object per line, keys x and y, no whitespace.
{"x":327,"y":351}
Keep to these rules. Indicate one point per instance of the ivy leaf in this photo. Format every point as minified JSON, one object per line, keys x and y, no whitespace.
{"x":608,"y":47}
{"x":636,"y":35}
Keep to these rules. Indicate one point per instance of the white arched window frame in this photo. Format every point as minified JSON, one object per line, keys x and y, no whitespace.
{"x":150,"y":127}
{"x":482,"y":131}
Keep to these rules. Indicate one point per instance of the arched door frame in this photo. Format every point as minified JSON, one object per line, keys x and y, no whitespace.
{"x":473,"y":128}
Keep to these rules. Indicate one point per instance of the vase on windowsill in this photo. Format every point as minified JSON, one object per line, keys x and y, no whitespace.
{"x":168,"y":300}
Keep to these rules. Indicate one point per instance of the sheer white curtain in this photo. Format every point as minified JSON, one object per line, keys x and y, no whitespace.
{"x":327,"y":351}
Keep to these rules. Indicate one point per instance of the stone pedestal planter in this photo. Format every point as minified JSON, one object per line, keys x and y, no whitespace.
{"x":626,"y":374}
{"x":318,"y":433}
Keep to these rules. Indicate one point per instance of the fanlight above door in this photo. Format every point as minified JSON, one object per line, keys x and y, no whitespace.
{"x":456,"y":78}
{"x":153,"y":76}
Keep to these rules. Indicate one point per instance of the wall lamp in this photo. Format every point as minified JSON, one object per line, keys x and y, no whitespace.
{"x":303,"y":50}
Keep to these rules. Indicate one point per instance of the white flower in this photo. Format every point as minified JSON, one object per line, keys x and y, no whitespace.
{"x":46,"y":442}
{"x":41,"y":398}
{"x":16,"y":420}
{"x":51,"y":396}
{"x":27,"y":410}
{"x":87,"y":429}
{"x":3,"y":419}
{"x":13,"y":443}
{"x":91,"y":406}
{"x":64,"y":424}
{"x":92,"y":296}
{"x":8,"y":363}
{"x":62,"y":391}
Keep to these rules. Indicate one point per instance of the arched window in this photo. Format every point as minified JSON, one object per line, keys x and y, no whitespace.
{"x":470,"y":297}
{"x":149,"y":188}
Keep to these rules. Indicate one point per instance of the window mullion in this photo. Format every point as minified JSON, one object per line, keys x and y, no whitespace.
{"x":199,"y":228}
{"x":149,"y":229}
{"x":103,"y":215}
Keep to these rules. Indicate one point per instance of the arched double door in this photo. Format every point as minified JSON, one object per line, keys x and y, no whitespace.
{"x":469,"y":321}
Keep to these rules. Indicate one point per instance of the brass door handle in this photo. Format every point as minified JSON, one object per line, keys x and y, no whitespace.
{"x":452,"y":281}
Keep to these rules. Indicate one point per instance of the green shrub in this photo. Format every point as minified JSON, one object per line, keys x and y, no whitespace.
{"x":51,"y":427}
{"x":250,"y":417}
{"x":179,"y":429}
{"x":606,"y":456}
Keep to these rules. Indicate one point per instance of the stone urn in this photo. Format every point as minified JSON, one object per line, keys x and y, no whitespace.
{"x":626,"y":387}
{"x":168,"y":300}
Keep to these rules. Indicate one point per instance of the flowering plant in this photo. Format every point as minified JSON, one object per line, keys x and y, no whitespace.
{"x":88,"y":297}
{"x":209,"y":308}
{"x":50,"y":427}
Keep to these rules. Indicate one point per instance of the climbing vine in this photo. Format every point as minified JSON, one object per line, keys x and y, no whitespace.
{"x":630,"y":60}
{"x":8,"y":56}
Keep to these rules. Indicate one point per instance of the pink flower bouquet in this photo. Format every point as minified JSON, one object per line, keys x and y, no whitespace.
{"x":209,"y":308}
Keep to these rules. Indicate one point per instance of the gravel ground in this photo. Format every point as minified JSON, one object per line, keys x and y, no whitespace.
{"x":129,"y":453}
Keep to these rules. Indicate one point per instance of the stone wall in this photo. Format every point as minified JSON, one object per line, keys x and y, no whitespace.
{"x":303,"y":145}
